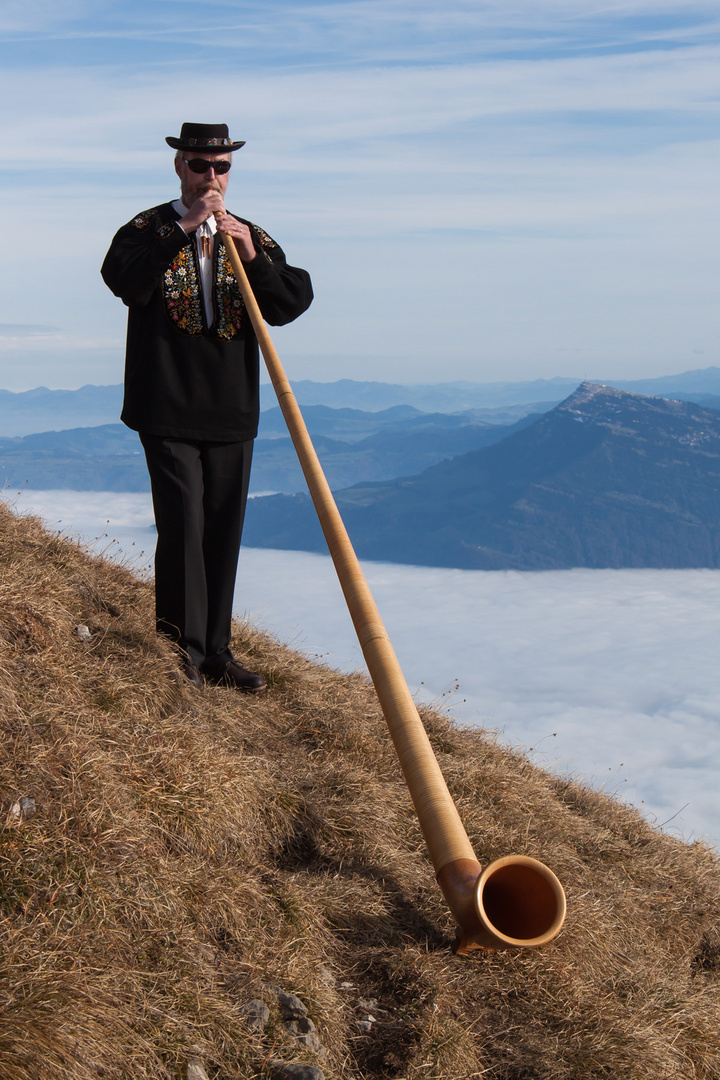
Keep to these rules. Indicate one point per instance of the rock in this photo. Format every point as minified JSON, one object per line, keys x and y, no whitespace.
{"x":301,"y":1026}
{"x":257,"y":1015}
{"x":304,"y":1030}
{"x":283,"y":1070}
{"x":291,"y":1007}
{"x":22,"y":809}
{"x":83,"y":632}
{"x":298,"y":1023}
{"x":365,"y":1026}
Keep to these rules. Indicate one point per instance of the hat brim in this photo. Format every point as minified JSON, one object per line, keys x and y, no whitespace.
{"x":178,"y":144}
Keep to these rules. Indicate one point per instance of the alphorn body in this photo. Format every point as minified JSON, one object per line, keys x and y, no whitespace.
{"x":516,"y":900}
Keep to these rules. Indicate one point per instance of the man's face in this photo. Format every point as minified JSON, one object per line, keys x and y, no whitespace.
{"x":193,"y":185}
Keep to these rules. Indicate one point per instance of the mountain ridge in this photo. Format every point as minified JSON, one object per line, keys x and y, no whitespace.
{"x":606,"y":479}
{"x":400,"y":442}
{"x":29,"y":411}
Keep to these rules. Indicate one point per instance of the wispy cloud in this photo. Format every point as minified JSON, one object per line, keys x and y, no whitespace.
{"x":506,"y":145}
{"x":22,"y":331}
{"x":385,"y":29}
{"x":41,"y":17}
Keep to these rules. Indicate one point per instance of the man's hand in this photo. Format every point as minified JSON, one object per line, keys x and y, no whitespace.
{"x":209,"y":203}
{"x":240,"y":233}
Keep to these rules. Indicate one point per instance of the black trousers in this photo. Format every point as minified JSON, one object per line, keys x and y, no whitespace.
{"x":199,"y":492}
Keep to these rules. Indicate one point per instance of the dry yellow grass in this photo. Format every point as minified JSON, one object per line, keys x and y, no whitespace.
{"x":188,"y":851}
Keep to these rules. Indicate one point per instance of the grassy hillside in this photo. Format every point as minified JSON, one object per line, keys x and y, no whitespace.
{"x":175,"y":865}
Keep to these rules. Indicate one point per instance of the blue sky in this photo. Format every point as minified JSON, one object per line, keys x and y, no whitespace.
{"x":480,"y":190}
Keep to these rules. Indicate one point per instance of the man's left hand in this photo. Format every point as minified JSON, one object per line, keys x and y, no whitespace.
{"x":240,"y":233}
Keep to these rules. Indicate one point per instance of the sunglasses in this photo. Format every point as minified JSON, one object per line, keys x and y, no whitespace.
{"x":200,"y":165}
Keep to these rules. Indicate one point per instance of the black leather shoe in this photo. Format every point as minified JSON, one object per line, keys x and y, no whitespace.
{"x":234,"y":675}
{"x":191,"y":673}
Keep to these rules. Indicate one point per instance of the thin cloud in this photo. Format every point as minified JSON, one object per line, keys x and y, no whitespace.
{"x":348,"y":110}
{"x":23,"y":331}
{"x":42,"y":16}
{"x":391,"y":31}
{"x":519,"y":178}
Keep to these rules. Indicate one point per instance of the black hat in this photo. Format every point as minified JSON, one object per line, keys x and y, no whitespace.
{"x":207,"y":138}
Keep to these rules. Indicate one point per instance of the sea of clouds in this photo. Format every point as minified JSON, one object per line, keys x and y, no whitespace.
{"x":611,"y":676}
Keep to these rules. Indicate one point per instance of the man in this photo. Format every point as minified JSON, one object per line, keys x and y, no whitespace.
{"x":192,"y":388}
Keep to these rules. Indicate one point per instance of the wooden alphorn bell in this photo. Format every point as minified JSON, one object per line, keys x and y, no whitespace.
{"x":516,"y":900}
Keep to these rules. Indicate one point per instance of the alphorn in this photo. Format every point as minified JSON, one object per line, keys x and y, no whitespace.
{"x":516,"y":900}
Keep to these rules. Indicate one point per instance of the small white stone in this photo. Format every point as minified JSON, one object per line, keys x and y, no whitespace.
{"x":83,"y":632}
{"x":196,"y":1070}
{"x":367,"y":1004}
{"x":326,"y":974}
{"x":23,"y":808}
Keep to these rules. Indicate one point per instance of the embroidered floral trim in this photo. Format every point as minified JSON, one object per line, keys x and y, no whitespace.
{"x":265,"y":240}
{"x":181,"y":290}
{"x":230,"y":304}
{"x":143,"y":220}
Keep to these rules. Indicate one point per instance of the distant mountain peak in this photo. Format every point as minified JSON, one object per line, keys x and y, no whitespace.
{"x":608,"y":478}
{"x":643,"y":418}
{"x":593,"y":391}
{"x":600,"y":403}
{"x":591,"y":388}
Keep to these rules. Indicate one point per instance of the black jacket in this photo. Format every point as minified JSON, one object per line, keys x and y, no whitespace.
{"x":183,"y":378}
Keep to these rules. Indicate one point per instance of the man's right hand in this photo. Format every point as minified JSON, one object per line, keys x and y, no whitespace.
{"x":209,"y":203}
